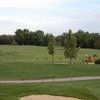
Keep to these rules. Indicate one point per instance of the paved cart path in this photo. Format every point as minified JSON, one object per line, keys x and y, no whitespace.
{"x":52,"y":80}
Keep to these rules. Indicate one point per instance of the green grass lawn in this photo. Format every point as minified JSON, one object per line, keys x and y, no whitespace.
{"x":87,"y":90}
{"x":22,"y":70}
{"x":38,"y":54}
{"x":33,"y":62}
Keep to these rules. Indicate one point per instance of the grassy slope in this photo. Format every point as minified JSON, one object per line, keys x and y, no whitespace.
{"x":39,"y":71}
{"x":38,"y":54}
{"x":19,"y":62}
{"x":87,"y":90}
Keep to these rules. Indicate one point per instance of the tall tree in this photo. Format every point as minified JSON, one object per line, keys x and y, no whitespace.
{"x":70,"y":46}
{"x":51,"y":46}
{"x":19,"y":37}
{"x":46,"y":39}
{"x":39,"y":38}
{"x":26,"y":35}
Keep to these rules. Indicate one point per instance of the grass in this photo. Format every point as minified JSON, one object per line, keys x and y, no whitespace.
{"x":86,"y":90}
{"x":33,"y":62}
{"x":22,"y":70}
{"x":20,"y":62}
{"x":38,"y":54}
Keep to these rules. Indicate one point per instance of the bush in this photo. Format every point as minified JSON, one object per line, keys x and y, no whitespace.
{"x":97,"y":61}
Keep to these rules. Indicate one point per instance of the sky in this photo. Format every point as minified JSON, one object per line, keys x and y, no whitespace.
{"x":51,"y":16}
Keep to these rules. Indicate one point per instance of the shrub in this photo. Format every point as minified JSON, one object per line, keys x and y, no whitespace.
{"x":97,"y":61}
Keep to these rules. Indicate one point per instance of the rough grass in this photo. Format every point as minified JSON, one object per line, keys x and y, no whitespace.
{"x":38,"y":54}
{"x":86,"y":90}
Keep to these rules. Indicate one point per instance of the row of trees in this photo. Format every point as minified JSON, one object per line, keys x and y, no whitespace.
{"x":70,"y":46}
{"x":26,"y":37}
{"x":84,"y":39}
{"x":6,"y":39}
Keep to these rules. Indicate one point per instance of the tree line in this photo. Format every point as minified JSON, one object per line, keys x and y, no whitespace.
{"x":39,"y":38}
{"x":84,"y":39}
{"x":25,"y":37}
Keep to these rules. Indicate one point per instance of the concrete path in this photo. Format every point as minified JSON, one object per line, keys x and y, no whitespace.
{"x":51,"y":80}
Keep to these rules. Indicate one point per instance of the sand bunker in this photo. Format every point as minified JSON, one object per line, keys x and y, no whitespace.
{"x":47,"y":97}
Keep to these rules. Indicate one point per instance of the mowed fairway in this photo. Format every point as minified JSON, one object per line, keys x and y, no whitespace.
{"x":22,"y":70}
{"x":86,"y":90}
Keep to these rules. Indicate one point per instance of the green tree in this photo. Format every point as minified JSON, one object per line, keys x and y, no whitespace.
{"x":39,"y":38}
{"x":19,"y":37}
{"x":70,"y":46}
{"x":6,"y":39}
{"x":51,"y":46}
{"x":26,"y":37}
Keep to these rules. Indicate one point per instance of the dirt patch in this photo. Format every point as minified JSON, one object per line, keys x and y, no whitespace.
{"x":47,"y":97}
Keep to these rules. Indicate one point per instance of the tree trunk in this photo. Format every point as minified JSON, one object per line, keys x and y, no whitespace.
{"x":70,"y":60}
{"x":52,"y":59}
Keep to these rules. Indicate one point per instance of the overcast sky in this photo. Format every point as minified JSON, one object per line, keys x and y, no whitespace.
{"x":51,"y":16}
